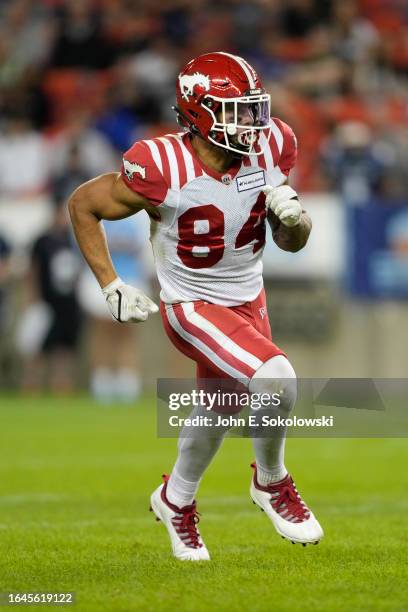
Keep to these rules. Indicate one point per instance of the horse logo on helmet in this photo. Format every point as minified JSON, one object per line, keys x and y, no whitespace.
{"x":187,"y":83}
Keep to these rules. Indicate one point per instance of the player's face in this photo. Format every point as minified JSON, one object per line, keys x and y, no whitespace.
{"x":244,"y":114}
{"x":240,"y":118}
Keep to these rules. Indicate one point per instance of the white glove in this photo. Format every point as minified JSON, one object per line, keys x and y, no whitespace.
{"x":280,"y":200}
{"x":126,"y":303}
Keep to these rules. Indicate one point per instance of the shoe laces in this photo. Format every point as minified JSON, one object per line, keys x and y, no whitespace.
{"x":185,"y":523}
{"x":286,"y":501}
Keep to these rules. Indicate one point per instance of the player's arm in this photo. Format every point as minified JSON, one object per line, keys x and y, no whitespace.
{"x":105,"y":197}
{"x":108,"y":197}
{"x":289,"y":222}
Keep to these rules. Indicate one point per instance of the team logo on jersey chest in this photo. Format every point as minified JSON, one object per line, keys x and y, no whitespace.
{"x":251,"y":181}
{"x":187,"y":83}
{"x":131,"y":169}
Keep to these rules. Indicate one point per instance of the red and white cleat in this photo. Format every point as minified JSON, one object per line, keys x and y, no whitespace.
{"x":290,"y":516}
{"x":181,"y":524}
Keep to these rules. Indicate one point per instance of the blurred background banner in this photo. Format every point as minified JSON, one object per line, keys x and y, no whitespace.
{"x":81,"y":80}
{"x":379,"y":250}
{"x":324,"y":257}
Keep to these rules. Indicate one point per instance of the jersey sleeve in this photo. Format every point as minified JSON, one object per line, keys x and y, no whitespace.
{"x":288,"y":154}
{"x":141,"y":174}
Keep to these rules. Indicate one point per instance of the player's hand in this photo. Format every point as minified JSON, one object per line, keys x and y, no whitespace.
{"x":283,"y":201}
{"x":126,"y":303}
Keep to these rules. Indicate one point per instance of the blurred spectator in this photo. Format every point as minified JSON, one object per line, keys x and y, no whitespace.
{"x":94,"y":153}
{"x":354,"y":163}
{"x":155,"y":70}
{"x":24,"y":177}
{"x":248,"y":18}
{"x":114,"y":355}
{"x":72,"y":176}
{"x":27,"y":97}
{"x":126,"y":111}
{"x":355,"y":38}
{"x":49,"y":332}
{"x":212,"y":29}
{"x":321,"y":73}
{"x":50,"y":328}
{"x":80,"y":41}
{"x":177,"y":21}
{"x":26,"y":33}
{"x":130,"y":26}
{"x":299,"y":18}
{"x":339,"y":60}
{"x":24,"y":167}
{"x":392,"y":146}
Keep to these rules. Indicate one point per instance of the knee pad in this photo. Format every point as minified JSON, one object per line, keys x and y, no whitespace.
{"x":276,"y":376}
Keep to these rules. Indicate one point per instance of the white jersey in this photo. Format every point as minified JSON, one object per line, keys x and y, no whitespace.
{"x":209,"y":241}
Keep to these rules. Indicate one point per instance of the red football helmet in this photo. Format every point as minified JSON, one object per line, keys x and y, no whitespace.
{"x":220,"y":98}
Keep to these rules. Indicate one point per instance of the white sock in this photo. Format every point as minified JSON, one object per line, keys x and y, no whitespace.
{"x":180,"y":492}
{"x":270,"y":475}
{"x":270,"y":458}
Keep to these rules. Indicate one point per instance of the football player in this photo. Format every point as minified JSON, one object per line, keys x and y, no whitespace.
{"x":208,"y":191}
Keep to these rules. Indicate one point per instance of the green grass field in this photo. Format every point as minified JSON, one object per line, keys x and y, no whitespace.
{"x":75,"y":480}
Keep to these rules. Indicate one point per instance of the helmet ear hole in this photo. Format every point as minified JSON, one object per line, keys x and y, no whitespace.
{"x":183,"y":120}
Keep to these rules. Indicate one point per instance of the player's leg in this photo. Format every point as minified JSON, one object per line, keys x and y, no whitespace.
{"x":272,"y":488}
{"x":275,"y":376}
{"x":208,"y":334}
{"x":269,"y":452}
{"x":233,"y":344}
{"x":173,"y":502}
{"x":195,"y":452}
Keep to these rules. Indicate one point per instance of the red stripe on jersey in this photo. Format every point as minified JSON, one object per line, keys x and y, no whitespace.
{"x":246,"y":161}
{"x":274,"y":149}
{"x":164,"y":160}
{"x":261,"y":158}
{"x":261,"y":161}
{"x":289,"y":147}
{"x":249,"y":331}
{"x":206,"y":339}
{"x":180,"y":161}
{"x":186,"y":348}
{"x":198,"y":171}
